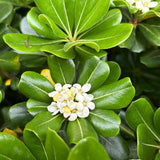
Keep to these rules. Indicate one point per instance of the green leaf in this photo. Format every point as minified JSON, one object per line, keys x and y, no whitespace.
{"x":112,"y":18}
{"x":110,"y":37}
{"x":9,"y":61}
{"x":58,"y":50}
{"x":55,"y":147}
{"x":151,"y":59}
{"x":62,"y":71}
{"x":35,"y":145}
{"x":115,"y":72}
{"x":35,"y":86}
{"x":84,"y":51}
{"x":88,"y":13}
{"x":57,"y":11}
{"x":38,"y":26}
{"x":79,"y":129}
{"x":35,"y":107}
{"x":156,"y":120}
{"x":93,"y":71}
{"x":114,"y":96}
{"x":157,"y":156}
{"x":140,"y":111}
{"x":9,"y":145}
{"x":105,"y":122}
{"x":27,"y":43}
{"x":19,"y":115}
{"x":88,"y":149}
{"x":0,"y":96}
{"x":6,"y":10}
{"x":57,"y":31}
{"x":69,"y":45}
{"x":147,"y":146}
{"x":42,"y":122}
{"x":116,"y":147}
{"x":151,"y":31}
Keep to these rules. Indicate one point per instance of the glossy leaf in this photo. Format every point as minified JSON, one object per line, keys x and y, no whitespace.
{"x":140,"y":111}
{"x":38,"y":26}
{"x":35,"y":107}
{"x":57,"y":11}
{"x":147,"y":146}
{"x":88,"y":13}
{"x":27,"y":43}
{"x":19,"y":115}
{"x":151,"y":59}
{"x":0,"y":96}
{"x":35,"y":145}
{"x":114,"y":96}
{"x":9,"y":61}
{"x":9,"y":145}
{"x":57,"y":31}
{"x":110,"y":37}
{"x":115,"y":72}
{"x":116,"y":147}
{"x":35,"y":86}
{"x":57,"y":49}
{"x":156,"y":120}
{"x":62,"y":71}
{"x":79,"y":129}
{"x":55,"y":147}
{"x":93,"y":71}
{"x":105,"y":122}
{"x":6,"y":10}
{"x":42,"y":122}
{"x":88,"y":149}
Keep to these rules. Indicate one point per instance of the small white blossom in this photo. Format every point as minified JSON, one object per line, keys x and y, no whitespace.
{"x":71,"y":101}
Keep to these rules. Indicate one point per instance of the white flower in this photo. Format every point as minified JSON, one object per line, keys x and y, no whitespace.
{"x":71,"y":101}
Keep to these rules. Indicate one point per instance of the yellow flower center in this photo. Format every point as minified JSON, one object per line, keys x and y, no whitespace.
{"x":145,"y":4}
{"x":67,"y":109}
{"x":56,"y":96}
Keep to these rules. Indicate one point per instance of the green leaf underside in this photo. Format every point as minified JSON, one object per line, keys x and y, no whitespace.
{"x":9,"y":145}
{"x":79,"y":129}
{"x":115,"y":95}
{"x":38,"y":26}
{"x":105,"y":122}
{"x":109,"y":38}
{"x":55,"y":147}
{"x":35,"y":107}
{"x":141,"y":112}
{"x":88,"y":149}
{"x":62,"y":71}
{"x":147,"y":146}
{"x":35,"y":86}
{"x":42,"y":122}
{"x":9,"y":61}
{"x":35,"y":145}
{"x":84,"y":51}
{"x":93,"y":71}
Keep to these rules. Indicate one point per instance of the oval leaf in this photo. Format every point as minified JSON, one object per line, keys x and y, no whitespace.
{"x":114,"y":96}
{"x":79,"y":129}
{"x":105,"y":122}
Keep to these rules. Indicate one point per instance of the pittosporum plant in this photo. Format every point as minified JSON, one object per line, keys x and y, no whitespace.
{"x":63,"y":24}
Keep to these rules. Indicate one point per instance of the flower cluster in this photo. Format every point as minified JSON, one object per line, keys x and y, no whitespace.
{"x":71,"y":100}
{"x":143,"y":5}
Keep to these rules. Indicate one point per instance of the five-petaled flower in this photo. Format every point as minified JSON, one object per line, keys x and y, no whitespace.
{"x":71,"y":100}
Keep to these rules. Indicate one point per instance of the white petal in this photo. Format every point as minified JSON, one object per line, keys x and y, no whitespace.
{"x":85,"y":112}
{"x":80,"y":106}
{"x":72,"y":105}
{"x":66,"y":115}
{"x":79,"y":97}
{"x":145,"y":9}
{"x":66,"y":86}
{"x":58,"y":86}
{"x":76,"y":85}
{"x":54,"y":113}
{"x":80,"y":114}
{"x":86,"y":87}
{"x":72,"y":117}
{"x":152,"y":4}
{"x":88,"y":97}
{"x":51,"y":108}
{"x":139,"y":5}
{"x":91,"y":105}
{"x":52,"y":94}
